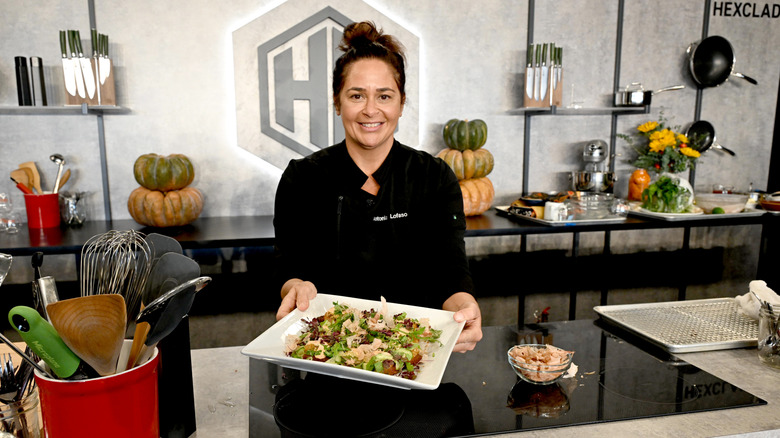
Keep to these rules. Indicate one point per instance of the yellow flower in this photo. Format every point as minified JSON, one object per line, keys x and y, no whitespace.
{"x":691,"y":152}
{"x":647,"y":127}
{"x":682,"y":138}
{"x":656,"y":146}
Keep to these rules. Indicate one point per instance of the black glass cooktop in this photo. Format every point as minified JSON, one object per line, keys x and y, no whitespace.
{"x":618,"y":378}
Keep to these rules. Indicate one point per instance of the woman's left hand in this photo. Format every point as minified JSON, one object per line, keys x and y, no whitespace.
{"x":466,"y":309}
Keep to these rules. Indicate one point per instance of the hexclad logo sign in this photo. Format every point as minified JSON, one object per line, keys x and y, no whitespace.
{"x":287,"y":90}
{"x":284,"y":107}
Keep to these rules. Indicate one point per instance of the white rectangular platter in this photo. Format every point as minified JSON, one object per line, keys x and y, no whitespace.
{"x":270,"y":344}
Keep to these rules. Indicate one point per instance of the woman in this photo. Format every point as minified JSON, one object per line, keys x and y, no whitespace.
{"x":370,"y":217}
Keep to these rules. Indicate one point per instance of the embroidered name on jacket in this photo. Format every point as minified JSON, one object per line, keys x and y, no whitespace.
{"x":390,"y":217}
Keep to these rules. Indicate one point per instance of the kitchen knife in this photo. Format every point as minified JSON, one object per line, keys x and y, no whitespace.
{"x":76,"y":69}
{"x":105,"y":68}
{"x":44,"y":341}
{"x":86,"y":68}
{"x":553,"y":70}
{"x":67,"y":67}
{"x":529,"y":72}
{"x":545,"y":73}
{"x":537,"y":71}
{"x":95,"y":62}
{"x":560,"y":63}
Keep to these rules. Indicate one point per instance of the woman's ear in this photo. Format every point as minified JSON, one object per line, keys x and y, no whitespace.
{"x":336,"y":105}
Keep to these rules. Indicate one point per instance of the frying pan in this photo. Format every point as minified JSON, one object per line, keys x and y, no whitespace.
{"x":706,"y":132}
{"x":712,"y":60}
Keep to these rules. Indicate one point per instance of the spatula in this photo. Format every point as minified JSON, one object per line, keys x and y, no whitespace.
{"x":164,"y":314}
{"x":36,"y":177}
{"x":20,"y":176}
{"x":93,"y":327}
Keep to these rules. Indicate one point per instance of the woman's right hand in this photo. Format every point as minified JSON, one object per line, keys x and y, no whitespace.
{"x":296,"y":293}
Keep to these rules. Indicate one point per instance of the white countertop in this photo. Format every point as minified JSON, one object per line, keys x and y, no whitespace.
{"x":221,"y":379}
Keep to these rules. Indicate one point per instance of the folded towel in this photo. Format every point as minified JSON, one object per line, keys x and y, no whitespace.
{"x":749,"y":305}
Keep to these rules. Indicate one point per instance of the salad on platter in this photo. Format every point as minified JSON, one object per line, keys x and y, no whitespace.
{"x":371,"y":340}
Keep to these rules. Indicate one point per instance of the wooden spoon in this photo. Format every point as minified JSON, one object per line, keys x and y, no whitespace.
{"x":93,"y":327}
{"x":36,"y":177}
{"x":64,"y":179}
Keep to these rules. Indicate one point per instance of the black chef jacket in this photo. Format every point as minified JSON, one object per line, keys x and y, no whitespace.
{"x":405,"y":243}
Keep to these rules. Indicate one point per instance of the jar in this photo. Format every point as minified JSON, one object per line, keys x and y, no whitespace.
{"x":20,"y":418}
{"x":769,"y":336}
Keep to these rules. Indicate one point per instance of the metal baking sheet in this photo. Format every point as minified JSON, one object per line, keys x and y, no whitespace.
{"x":607,"y":220}
{"x":686,"y":326}
{"x":692,"y":216}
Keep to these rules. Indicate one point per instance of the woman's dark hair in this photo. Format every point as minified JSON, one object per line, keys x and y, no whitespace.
{"x":363,"y":41}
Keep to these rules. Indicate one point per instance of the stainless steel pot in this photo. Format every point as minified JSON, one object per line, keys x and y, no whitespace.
{"x":584,"y":181}
{"x":636,"y":95}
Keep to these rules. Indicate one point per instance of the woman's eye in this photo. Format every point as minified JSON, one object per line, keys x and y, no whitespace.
{"x":355,"y":96}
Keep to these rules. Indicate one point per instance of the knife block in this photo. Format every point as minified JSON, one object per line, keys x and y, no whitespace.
{"x":552,"y":97}
{"x":105,"y":93}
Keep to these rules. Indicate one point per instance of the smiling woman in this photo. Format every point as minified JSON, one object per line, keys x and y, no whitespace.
{"x":385,"y":219}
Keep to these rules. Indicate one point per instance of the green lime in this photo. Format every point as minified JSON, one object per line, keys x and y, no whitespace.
{"x":718,"y":210}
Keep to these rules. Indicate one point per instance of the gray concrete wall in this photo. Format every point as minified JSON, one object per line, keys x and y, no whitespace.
{"x":174,"y":72}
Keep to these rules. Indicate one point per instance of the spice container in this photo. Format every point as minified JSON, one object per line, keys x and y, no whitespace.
{"x":769,"y":336}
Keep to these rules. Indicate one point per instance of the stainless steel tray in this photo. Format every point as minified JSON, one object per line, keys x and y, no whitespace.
{"x":686,"y":326}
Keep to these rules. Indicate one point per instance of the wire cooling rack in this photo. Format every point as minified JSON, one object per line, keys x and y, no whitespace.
{"x":686,"y":326}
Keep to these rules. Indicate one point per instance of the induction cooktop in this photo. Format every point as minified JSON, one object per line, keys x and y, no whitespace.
{"x":619,"y":377}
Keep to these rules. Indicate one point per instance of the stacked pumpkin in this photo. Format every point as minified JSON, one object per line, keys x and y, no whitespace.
{"x":470,"y":162}
{"x":164,"y":198}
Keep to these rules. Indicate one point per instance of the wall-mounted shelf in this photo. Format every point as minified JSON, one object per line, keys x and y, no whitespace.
{"x":554,"y":110}
{"x":83,"y":109}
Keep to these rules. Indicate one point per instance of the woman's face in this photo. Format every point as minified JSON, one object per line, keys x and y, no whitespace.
{"x":369,"y":104}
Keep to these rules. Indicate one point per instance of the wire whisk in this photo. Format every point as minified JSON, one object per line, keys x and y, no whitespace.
{"x":116,"y":262}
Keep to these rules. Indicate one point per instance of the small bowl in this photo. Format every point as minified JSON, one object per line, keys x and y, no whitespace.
{"x":770,"y":205}
{"x":539,"y":374}
{"x":730,"y":203}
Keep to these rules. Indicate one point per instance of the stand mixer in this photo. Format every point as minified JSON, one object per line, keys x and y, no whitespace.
{"x":594,"y":178}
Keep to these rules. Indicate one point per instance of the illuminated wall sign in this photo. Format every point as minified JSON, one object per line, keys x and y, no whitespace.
{"x":285,"y":110}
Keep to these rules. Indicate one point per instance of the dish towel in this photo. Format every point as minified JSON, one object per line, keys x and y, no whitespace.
{"x":749,"y":305}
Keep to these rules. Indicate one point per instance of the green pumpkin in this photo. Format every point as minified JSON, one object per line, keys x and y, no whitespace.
{"x":156,"y":172}
{"x":465,"y":134}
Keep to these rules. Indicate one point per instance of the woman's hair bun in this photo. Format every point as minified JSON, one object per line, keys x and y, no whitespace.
{"x":365,"y":34}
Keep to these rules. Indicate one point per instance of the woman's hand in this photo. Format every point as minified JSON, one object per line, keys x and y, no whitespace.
{"x":296,"y":293}
{"x":466,"y":309}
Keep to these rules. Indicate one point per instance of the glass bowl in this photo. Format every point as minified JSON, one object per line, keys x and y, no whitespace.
{"x":539,"y":367}
{"x":730,"y":203}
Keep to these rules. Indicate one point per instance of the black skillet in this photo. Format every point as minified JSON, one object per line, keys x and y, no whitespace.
{"x":704,"y":131}
{"x":711,"y":62}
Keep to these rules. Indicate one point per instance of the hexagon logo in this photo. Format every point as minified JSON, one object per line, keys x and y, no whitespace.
{"x":284,"y":108}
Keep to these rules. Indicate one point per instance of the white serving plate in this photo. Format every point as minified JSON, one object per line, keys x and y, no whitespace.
{"x":270,"y":344}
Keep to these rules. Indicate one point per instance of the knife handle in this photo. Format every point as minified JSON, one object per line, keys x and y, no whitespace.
{"x":105,"y":45}
{"x":70,"y":44}
{"x":530,"y":55}
{"x":544,"y":53}
{"x":94,"y":42}
{"x":63,"y":47}
{"x":77,"y":40}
